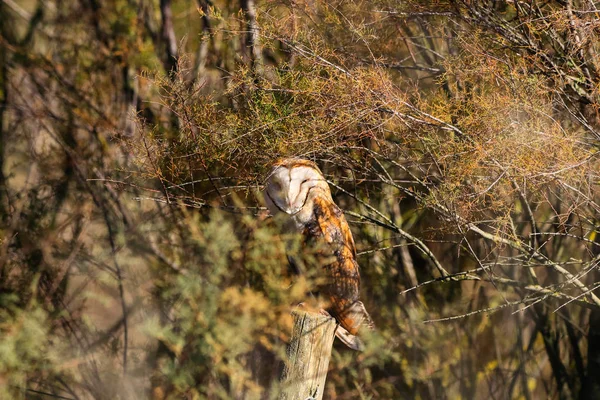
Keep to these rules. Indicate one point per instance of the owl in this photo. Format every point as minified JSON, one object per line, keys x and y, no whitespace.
{"x":297,"y":190}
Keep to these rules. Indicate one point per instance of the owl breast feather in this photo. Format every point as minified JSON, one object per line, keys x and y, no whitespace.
{"x":329,"y":231}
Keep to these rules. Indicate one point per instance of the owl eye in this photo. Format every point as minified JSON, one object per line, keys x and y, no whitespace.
{"x":304,"y":181}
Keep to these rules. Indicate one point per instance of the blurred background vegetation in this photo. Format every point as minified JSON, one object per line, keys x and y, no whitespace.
{"x":461,"y":138}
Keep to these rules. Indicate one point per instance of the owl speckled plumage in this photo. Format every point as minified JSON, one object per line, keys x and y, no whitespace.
{"x":298,"y":189}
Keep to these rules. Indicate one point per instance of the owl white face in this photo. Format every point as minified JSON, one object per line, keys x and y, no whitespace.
{"x":288,"y":187}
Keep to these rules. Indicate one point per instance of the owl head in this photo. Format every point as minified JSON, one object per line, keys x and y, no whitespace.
{"x":292,"y":184}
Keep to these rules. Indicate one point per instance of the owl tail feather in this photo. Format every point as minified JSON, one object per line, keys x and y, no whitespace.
{"x":351,"y":320}
{"x":349,"y":339}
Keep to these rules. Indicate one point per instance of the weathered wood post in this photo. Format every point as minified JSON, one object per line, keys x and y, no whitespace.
{"x":308,"y":356}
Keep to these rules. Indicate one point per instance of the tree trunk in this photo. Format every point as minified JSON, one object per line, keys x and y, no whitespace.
{"x":308,"y":356}
{"x":168,"y":36}
{"x":590,"y":389}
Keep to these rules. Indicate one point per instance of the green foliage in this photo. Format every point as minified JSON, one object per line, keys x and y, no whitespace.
{"x":229,"y":308}
{"x":24,"y":349}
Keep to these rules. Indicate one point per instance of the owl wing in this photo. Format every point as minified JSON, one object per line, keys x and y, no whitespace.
{"x":343,"y":278}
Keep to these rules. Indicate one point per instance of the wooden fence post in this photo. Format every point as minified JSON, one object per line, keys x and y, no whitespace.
{"x":308,"y":356}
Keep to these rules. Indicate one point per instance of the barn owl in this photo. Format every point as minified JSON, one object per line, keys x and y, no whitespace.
{"x":297,"y":190}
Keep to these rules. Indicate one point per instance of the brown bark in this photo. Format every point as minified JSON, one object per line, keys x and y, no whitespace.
{"x":250,"y":46}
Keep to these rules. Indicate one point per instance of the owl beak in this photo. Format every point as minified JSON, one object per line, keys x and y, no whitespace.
{"x":290,"y":209}
{"x":293,"y":211}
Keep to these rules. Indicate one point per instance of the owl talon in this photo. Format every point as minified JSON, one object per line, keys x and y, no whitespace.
{"x":324,"y":312}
